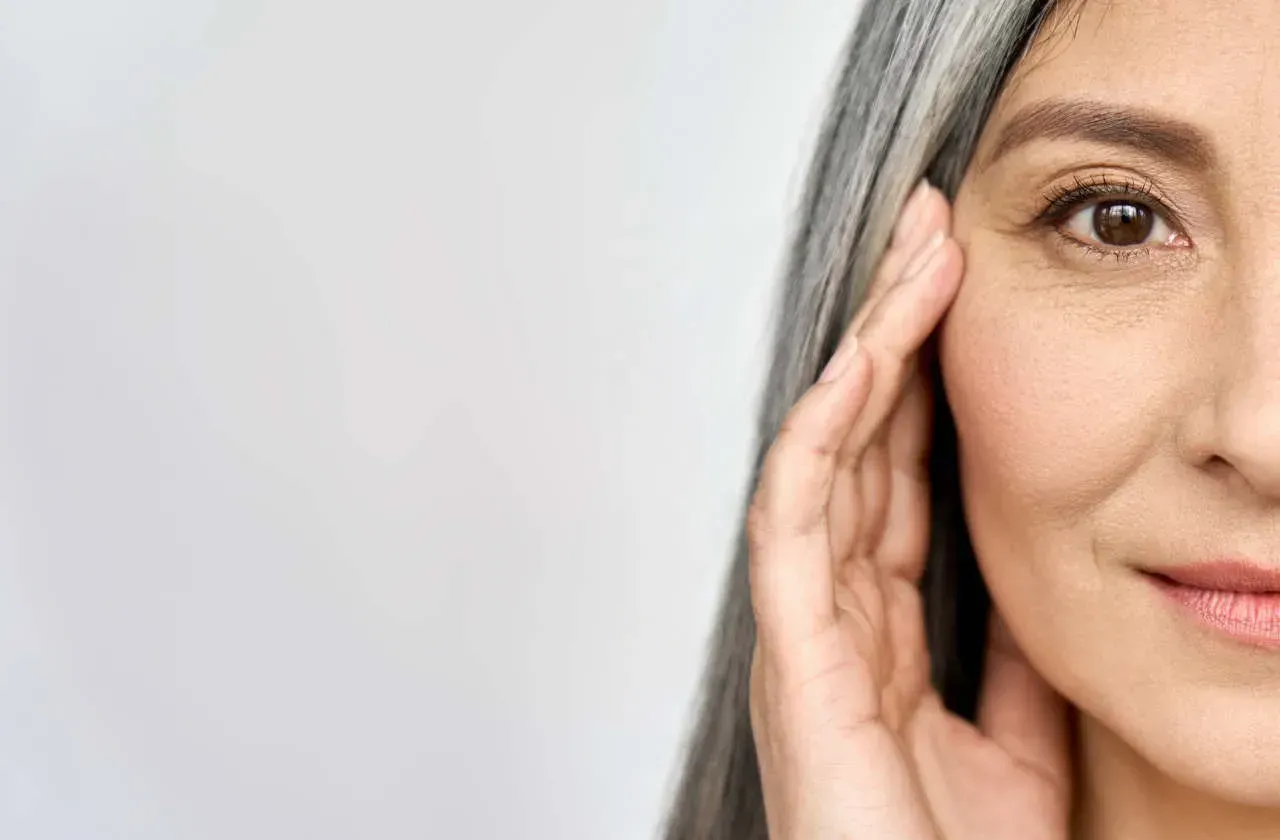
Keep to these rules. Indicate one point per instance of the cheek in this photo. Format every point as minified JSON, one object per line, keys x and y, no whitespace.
{"x":1052,"y":419}
{"x":1052,"y":411}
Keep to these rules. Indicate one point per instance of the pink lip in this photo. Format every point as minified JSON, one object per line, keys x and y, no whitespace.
{"x":1232,"y":597}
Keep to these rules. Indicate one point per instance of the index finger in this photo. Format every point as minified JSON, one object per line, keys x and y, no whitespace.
{"x":792,"y":589}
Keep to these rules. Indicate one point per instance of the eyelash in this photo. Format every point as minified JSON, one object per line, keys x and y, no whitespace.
{"x":1064,"y":200}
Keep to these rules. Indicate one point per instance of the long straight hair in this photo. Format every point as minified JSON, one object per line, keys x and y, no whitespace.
{"x":918,"y":80}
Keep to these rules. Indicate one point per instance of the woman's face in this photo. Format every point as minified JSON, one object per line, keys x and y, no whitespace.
{"x":1113,"y":366}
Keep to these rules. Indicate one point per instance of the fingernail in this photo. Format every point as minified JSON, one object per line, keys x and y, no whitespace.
{"x":839,"y":362}
{"x":923,"y":256}
{"x":910,"y":213}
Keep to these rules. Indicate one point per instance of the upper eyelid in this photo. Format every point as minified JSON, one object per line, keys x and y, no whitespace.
{"x":1072,"y":200}
{"x":1102,"y":188}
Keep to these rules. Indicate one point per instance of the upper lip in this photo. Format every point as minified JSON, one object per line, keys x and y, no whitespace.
{"x":1223,"y":576}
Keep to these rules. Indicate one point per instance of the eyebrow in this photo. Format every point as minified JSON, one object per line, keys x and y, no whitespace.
{"x":1179,"y":142}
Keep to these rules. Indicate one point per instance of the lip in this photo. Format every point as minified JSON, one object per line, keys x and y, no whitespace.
{"x":1232,"y":597}
{"x":1223,"y":576}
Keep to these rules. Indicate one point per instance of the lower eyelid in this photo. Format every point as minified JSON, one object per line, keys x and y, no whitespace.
{"x":1079,"y":255}
{"x":1103,"y":251}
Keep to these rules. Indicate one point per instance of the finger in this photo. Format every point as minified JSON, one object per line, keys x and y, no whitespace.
{"x":910,"y":653}
{"x":911,"y":431}
{"x":787,"y":523}
{"x":903,"y":540}
{"x":844,"y":513}
{"x":895,"y":332}
{"x":907,"y":234}
{"x":875,"y":484}
{"x":926,"y":211}
{"x":1021,"y":712}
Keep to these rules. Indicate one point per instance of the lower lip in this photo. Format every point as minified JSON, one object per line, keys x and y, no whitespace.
{"x":1249,"y":617}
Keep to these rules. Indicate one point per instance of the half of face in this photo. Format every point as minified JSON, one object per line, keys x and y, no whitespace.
{"x":1113,"y":366}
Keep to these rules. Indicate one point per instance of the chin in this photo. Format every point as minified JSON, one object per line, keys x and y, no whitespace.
{"x":1163,"y":718}
{"x":1219,"y":742}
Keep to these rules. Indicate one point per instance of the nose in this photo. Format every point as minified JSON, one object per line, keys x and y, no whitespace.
{"x":1240,"y":431}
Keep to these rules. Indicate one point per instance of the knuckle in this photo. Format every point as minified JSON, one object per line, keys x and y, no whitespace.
{"x":794,"y":442}
{"x":887,"y":361}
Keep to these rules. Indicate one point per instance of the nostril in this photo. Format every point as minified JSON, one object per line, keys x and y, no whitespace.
{"x":1218,"y":466}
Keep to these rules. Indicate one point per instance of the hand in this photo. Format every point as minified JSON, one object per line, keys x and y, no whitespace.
{"x":853,"y":742}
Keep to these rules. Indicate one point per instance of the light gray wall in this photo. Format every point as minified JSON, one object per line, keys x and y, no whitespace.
{"x":376,"y":388}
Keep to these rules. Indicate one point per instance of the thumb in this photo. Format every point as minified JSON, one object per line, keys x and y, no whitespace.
{"x":1021,"y":712}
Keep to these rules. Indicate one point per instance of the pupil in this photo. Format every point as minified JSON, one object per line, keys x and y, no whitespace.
{"x":1121,"y":223}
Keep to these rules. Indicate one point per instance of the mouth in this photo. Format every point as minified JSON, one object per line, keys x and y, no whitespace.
{"x":1237,"y":599}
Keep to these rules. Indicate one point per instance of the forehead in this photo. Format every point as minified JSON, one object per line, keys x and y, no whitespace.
{"x":1213,"y":64}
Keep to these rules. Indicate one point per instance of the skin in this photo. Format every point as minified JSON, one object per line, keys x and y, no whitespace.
{"x":1114,"y":414}
{"x":1111,"y":414}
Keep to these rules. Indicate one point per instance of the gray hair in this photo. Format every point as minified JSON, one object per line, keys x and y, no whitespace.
{"x":918,"y":81}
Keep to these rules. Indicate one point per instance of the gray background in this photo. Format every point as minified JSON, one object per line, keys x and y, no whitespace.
{"x":377,"y":386}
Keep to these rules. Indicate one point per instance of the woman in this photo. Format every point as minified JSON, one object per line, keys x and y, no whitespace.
{"x":1010,"y":562}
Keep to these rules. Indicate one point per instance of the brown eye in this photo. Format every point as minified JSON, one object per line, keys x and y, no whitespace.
{"x":1122,"y":223}
{"x":1119,"y":223}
